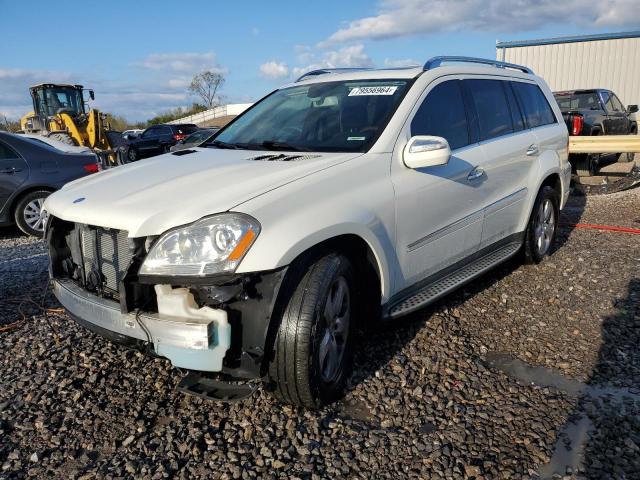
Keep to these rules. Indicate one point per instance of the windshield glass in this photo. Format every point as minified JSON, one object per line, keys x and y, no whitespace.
{"x":345,"y":116}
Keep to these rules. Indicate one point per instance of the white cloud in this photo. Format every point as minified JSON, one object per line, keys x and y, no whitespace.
{"x":402,"y":62}
{"x":399,"y":18}
{"x":349,"y":56}
{"x":274,"y":70}
{"x":178,"y":62}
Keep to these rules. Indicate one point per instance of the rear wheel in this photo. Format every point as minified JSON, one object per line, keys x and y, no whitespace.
{"x":29,"y":216}
{"x":540,"y":234}
{"x":314,"y":343}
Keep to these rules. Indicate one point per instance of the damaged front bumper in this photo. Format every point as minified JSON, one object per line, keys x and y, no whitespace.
{"x":192,"y":343}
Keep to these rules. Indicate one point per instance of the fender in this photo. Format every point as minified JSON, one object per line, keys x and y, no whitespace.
{"x":548,"y":164}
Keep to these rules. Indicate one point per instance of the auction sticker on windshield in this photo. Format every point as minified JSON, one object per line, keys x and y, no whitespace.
{"x":357,"y":91}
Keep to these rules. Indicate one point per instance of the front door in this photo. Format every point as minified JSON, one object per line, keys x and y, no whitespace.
{"x":438,"y":209}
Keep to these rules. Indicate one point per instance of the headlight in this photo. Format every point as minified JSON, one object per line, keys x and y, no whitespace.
{"x":212,"y":245}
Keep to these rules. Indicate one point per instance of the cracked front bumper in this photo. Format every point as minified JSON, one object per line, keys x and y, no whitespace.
{"x":191,"y":343}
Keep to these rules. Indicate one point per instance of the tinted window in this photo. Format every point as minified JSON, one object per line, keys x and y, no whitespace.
{"x":490,"y":101}
{"x":537,"y":110}
{"x":443,"y":114}
{"x":606,"y":99}
{"x":186,"y":129}
{"x":150,"y":132}
{"x":6,"y":152}
{"x":516,"y":112}
{"x":165,"y":131}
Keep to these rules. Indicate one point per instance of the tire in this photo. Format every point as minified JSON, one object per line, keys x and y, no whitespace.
{"x":540,"y":234}
{"x":132,"y":155}
{"x":311,"y":360}
{"x":587,"y":164}
{"x":25,"y":211}
{"x":63,"y":137}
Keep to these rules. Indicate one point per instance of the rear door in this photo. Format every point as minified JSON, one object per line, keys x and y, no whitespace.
{"x":14,"y":171}
{"x":509,"y":159}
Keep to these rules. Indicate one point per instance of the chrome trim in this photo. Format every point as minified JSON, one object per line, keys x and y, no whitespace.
{"x":506,"y":201}
{"x":191,"y":334}
{"x":451,"y":228}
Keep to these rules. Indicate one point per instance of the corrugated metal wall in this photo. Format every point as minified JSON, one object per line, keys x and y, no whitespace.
{"x":612,"y":64}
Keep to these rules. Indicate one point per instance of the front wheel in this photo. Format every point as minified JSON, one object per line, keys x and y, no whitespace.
{"x":313,"y":347}
{"x":29,"y":216}
{"x":132,"y":155}
{"x":540,"y":234}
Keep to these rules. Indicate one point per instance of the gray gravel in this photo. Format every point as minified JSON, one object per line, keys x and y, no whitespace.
{"x":425,"y":400}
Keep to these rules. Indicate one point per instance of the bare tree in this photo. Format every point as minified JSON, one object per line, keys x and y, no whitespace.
{"x":205,"y":85}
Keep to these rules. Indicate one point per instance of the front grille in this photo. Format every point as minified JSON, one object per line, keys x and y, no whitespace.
{"x":106,"y":255}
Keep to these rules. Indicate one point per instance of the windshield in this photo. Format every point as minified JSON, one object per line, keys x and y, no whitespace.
{"x":345,"y":116}
{"x":578,"y":101}
{"x":54,"y":100}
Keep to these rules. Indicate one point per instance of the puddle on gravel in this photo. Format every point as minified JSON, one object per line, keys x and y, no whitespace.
{"x":572,"y":440}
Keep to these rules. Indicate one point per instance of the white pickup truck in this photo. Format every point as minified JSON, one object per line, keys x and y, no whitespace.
{"x":345,"y":196}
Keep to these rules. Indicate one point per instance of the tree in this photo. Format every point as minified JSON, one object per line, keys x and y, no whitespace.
{"x":205,"y":85}
{"x":8,"y":125}
{"x":176,"y":113}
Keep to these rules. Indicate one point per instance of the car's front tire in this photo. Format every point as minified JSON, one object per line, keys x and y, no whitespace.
{"x":540,"y":234}
{"x":313,"y":348}
{"x":132,"y":155}
{"x":28,"y":213}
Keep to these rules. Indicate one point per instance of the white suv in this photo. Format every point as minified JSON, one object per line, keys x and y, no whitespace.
{"x":345,"y":196}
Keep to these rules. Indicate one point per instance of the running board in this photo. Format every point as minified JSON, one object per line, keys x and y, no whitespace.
{"x":439,"y":288}
{"x":203,"y":386}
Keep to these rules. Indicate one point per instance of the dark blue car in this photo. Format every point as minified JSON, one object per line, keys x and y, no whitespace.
{"x":30,"y":169}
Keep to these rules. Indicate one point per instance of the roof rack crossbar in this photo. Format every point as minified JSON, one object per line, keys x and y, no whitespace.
{"x":322,"y":71}
{"x":438,"y":61}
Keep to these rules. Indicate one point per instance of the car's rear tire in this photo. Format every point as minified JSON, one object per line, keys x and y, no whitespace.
{"x":313,"y":347}
{"x":28,"y":213}
{"x":540,"y":234}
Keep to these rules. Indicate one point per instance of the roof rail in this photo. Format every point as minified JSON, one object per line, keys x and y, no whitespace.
{"x":322,"y":71}
{"x":438,"y":61}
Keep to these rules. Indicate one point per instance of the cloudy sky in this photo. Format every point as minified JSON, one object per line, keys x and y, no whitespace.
{"x":140,"y":56}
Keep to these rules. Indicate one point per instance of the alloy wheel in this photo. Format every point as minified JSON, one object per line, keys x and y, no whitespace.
{"x":336,"y":316}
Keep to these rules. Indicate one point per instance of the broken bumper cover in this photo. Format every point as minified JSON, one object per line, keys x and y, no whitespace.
{"x":192,"y":343}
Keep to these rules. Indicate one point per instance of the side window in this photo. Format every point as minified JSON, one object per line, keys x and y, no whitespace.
{"x":165,"y":131}
{"x":490,"y":101}
{"x":442,"y":114}
{"x":606,"y":100}
{"x":536,"y":108}
{"x":516,"y":112}
{"x":6,"y":152}
{"x":617,"y":104}
{"x":150,"y":132}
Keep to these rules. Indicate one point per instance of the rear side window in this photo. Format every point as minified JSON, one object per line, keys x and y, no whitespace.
{"x":6,"y":152}
{"x":490,"y":101}
{"x":187,"y":129}
{"x":536,"y":109}
{"x":442,"y":114}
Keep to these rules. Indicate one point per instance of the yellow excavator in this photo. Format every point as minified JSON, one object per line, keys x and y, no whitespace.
{"x":59,"y":112}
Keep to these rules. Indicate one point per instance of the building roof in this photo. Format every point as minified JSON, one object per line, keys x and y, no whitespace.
{"x":568,"y":39}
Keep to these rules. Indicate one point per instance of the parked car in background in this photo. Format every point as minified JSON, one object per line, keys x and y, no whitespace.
{"x":344,"y":196}
{"x":595,"y":112}
{"x":131,"y":133}
{"x":156,"y":140}
{"x":30,"y":169}
{"x":195,"y":139}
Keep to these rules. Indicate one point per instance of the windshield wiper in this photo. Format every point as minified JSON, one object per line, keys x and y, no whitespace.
{"x":232,"y":146}
{"x":273,"y":145}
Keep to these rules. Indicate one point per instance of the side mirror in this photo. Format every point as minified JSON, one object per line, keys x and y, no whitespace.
{"x":92,"y":95}
{"x":632,"y":108}
{"x":426,"y":151}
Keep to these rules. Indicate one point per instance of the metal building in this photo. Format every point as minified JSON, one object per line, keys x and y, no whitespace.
{"x":610,"y":60}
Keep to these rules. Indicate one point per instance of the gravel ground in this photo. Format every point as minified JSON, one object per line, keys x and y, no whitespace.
{"x":427,"y":400}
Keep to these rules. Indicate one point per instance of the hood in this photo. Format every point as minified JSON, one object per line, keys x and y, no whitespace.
{"x":153,"y":195}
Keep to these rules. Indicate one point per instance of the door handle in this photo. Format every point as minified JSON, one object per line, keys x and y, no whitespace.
{"x":533,"y":150}
{"x":475,"y":174}
{"x":10,"y":170}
